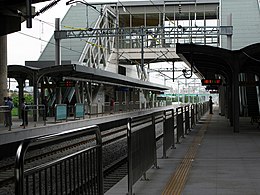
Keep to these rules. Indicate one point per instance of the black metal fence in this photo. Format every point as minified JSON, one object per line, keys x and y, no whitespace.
{"x":179,"y":120}
{"x":168,"y":131}
{"x":7,"y":116}
{"x":77,"y":173}
{"x":35,"y":109}
{"x":81,"y":172}
{"x":141,"y":144}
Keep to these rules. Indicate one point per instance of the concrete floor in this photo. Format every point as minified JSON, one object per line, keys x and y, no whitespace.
{"x":226,"y":163}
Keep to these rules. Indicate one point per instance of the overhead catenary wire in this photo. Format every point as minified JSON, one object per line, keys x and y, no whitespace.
{"x":47,"y":7}
{"x":40,"y":39}
{"x":88,"y":42}
{"x":73,"y":28}
{"x":93,"y":44}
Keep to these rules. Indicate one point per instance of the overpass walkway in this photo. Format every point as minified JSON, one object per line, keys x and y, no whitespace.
{"x":210,"y":160}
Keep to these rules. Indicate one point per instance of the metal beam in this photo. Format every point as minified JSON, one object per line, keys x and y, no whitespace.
{"x":164,"y":70}
{"x":167,"y":31}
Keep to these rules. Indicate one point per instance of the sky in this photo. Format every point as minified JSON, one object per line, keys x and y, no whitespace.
{"x":27,"y":44}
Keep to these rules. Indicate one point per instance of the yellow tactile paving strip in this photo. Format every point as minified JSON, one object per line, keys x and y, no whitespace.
{"x":176,"y":183}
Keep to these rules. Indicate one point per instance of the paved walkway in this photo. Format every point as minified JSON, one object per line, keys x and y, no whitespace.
{"x":224,"y":163}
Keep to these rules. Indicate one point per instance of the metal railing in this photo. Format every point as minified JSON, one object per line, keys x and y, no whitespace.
{"x":77,"y":173}
{"x":179,"y":120}
{"x":141,"y":144}
{"x":142,"y":141}
{"x":34,"y":108}
{"x":193,"y":116}
{"x":158,"y":37}
{"x":7,"y":116}
{"x":71,"y":169}
{"x":153,"y":36}
{"x":187,"y":118}
{"x":168,"y":131}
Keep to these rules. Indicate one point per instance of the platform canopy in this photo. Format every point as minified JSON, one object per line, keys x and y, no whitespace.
{"x":81,"y":73}
{"x":208,"y":61}
{"x":13,"y":12}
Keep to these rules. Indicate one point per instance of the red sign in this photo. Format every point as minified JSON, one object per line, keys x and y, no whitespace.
{"x":211,"y":81}
{"x":66,"y":83}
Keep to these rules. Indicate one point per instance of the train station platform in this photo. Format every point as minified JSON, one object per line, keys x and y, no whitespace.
{"x":33,"y":129}
{"x":211,"y":160}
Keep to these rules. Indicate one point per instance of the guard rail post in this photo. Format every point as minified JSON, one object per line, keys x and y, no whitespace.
{"x":192,"y":116}
{"x":196,"y":112}
{"x":187,"y":119}
{"x":141,"y":155}
{"x":168,"y":131}
{"x":180,"y":130}
{"x":34,"y":108}
{"x":7,"y":116}
{"x":130,"y":160}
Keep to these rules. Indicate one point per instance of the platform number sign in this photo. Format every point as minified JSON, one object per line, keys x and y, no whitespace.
{"x":66,"y":83}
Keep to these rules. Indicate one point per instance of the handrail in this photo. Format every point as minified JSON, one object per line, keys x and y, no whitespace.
{"x":24,"y":145}
{"x":37,"y":108}
{"x":140,"y":128}
{"x":179,"y":119}
{"x":187,"y":118}
{"x":5,"y":109}
{"x":168,"y":131}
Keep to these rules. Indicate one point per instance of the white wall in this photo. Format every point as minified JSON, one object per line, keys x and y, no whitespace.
{"x":245,"y":21}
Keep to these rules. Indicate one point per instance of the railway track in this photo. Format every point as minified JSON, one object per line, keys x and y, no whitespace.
{"x":114,"y":173}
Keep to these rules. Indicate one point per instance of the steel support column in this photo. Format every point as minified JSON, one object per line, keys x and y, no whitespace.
{"x":3,"y":70}
{"x":21,"y":83}
{"x":35,"y":96}
{"x":235,"y":96}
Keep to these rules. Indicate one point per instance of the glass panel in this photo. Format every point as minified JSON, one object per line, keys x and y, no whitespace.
{"x":124,"y":20}
{"x":137,"y":20}
{"x":152,"y":19}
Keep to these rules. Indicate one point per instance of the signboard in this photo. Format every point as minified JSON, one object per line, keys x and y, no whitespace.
{"x":66,"y":83}
{"x":79,"y":110}
{"x":61,"y":112}
{"x":211,"y":81}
